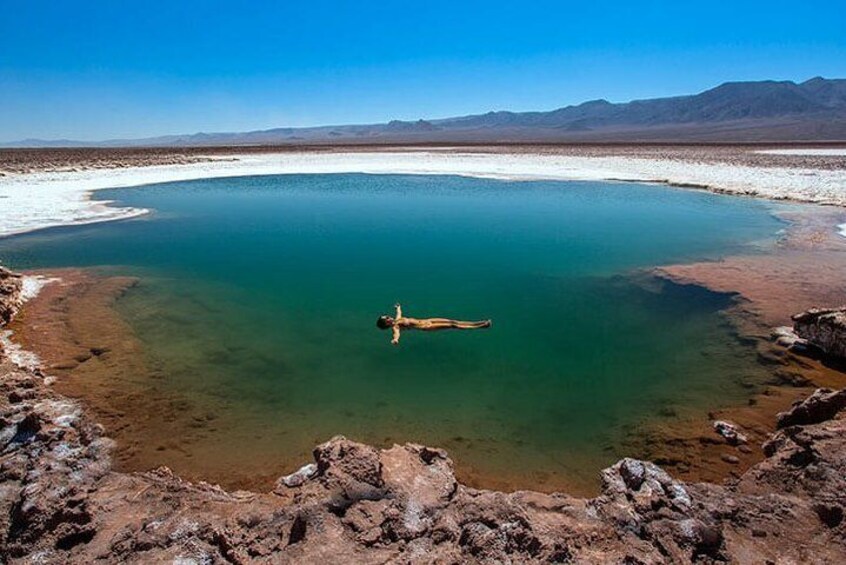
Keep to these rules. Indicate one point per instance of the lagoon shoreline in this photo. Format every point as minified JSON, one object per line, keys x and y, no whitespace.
{"x":53,"y":187}
{"x":398,"y":540}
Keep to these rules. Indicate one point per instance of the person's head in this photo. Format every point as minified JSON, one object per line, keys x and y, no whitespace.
{"x":384,"y":322}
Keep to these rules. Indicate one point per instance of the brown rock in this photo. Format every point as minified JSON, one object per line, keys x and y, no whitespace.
{"x":731,"y":432}
{"x":10,"y":291}
{"x":822,"y":405}
{"x":824,"y":328}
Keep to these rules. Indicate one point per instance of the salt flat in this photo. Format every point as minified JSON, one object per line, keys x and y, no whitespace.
{"x":833,"y":152}
{"x":31,"y":201}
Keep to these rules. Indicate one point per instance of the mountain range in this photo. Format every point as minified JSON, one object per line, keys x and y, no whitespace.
{"x":761,"y":111}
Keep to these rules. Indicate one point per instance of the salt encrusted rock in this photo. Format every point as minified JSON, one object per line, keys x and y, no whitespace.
{"x":731,"y":432}
{"x":785,"y":336}
{"x":825,"y":328}
{"x":822,"y":405}
{"x":299,"y":477}
{"x":348,"y":464}
{"x":643,"y":500}
{"x":11,"y":285}
{"x":51,"y":459}
{"x":644,"y":486}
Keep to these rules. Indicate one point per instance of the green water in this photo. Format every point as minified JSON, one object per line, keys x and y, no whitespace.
{"x":259,"y":296}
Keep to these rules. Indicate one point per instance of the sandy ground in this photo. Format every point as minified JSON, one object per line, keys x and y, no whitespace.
{"x":45,"y":189}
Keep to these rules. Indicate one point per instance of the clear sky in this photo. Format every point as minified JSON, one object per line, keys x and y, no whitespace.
{"x":98,"y":69}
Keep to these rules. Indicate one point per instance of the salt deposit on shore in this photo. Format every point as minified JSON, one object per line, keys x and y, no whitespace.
{"x":17,"y":354}
{"x":38,"y":200}
{"x":833,"y":152}
{"x":30,"y":287}
{"x":33,"y":284}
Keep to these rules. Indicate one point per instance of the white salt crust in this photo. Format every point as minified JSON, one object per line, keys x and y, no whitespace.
{"x":33,"y":201}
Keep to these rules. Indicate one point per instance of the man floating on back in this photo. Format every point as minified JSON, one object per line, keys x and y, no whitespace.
{"x":400,"y":322}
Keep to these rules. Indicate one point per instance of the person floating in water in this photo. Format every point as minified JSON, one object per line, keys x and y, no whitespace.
{"x":400,"y":322}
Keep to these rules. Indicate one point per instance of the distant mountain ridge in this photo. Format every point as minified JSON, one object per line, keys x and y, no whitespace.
{"x":729,"y":101}
{"x":814,"y":110}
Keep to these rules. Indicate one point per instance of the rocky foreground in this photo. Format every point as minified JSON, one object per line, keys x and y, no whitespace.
{"x":11,"y":288}
{"x":61,"y":502}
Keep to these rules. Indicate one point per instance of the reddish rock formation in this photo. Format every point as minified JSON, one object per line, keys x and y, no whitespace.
{"x":825,"y":328}
{"x":823,"y":405}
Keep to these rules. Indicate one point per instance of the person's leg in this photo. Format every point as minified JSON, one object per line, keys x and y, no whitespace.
{"x":471,"y":325}
{"x":441,"y":323}
{"x":446,"y":323}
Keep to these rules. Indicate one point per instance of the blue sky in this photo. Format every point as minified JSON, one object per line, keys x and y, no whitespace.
{"x":100,"y":69}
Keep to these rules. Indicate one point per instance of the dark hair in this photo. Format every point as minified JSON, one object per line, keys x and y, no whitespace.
{"x":384,"y":322}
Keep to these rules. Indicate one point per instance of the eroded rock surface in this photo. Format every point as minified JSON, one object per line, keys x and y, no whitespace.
{"x":61,"y":502}
{"x":825,"y":328}
{"x":824,"y":404}
{"x":730,"y":432}
{"x":10,"y":291}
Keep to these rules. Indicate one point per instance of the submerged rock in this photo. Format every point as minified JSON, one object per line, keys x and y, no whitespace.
{"x":824,"y":328}
{"x":731,"y":432}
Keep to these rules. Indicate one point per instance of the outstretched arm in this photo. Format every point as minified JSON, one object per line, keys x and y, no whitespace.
{"x":399,"y":311}
{"x":395,"y":339}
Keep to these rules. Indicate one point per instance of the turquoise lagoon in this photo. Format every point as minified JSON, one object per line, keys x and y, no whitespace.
{"x":258,"y":298}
